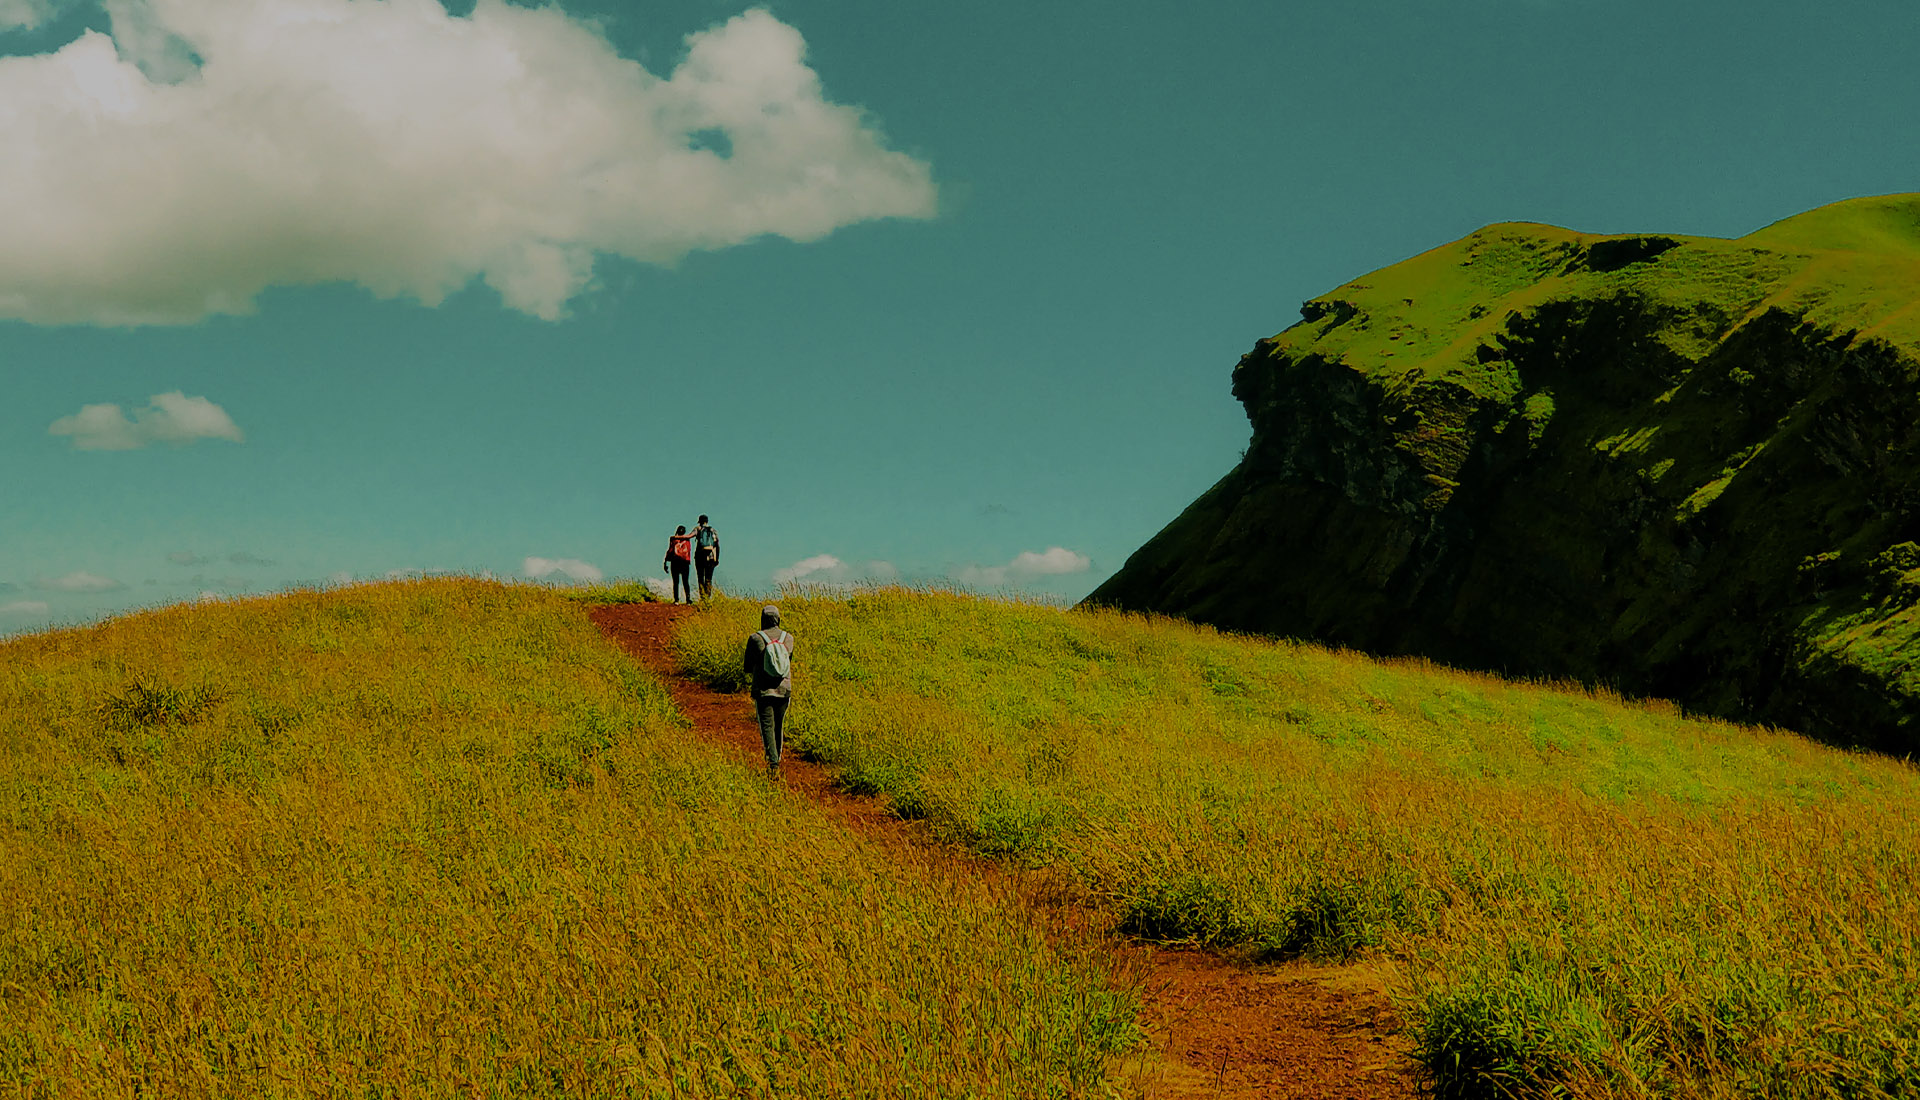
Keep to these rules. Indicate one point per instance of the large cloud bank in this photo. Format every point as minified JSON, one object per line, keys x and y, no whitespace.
{"x":387,"y":143}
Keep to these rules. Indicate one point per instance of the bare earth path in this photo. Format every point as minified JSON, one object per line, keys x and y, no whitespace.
{"x":1220,"y":1028}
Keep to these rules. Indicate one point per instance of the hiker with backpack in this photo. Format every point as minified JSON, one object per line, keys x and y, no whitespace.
{"x":769,"y":662}
{"x":679,"y":560}
{"x":706,"y":556}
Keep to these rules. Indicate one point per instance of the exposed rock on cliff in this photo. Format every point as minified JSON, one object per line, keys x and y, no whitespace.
{"x":1683,"y":466}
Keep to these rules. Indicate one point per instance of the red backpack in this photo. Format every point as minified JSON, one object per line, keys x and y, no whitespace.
{"x":681,"y":547}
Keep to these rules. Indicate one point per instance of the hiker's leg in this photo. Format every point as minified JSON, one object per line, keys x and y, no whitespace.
{"x":769,"y":715}
{"x":779,"y":728}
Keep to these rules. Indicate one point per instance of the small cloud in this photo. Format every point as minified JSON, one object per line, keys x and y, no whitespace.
{"x":829,"y":571}
{"x":1029,"y":565}
{"x":79,"y":581}
{"x":23,"y":609}
{"x":244,"y":558}
{"x":24,"y":14}
{"x":342,"y":577}
{"x":188,"y":558}
{"x":819,"y":563}
{"x":995,"y":510}
{"x":579,"y":572}
{"x":660,"y":586}
{"x":170,"y":418}
{"x":1054,"y":562}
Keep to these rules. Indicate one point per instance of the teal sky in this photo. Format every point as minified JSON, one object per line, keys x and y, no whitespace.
{"x":468,"y":290}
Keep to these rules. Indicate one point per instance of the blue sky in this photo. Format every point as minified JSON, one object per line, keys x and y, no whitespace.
{"x":886,"y":287}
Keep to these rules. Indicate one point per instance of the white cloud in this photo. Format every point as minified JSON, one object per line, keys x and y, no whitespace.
{"x":828,"y":571}
{"x":390,"y":144}
{"x":661,"y":586}
{"x":806,"y":567}
{"x":1026,"y":566}
{"x":241,"y":557}
{"x":25,"y":14}
{"x":1053,"y":562}
{"x":79,"y":581}
{"x":339,"y":577}
{"x":579,"y":572}
{"x":24,"y":608}
{"x":187,"y":557}
{"x":169,"y":418}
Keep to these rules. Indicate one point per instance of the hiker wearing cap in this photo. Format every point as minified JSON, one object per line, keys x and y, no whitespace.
{"x":706,"y":556}
{"x":769,"y":662}
{"x":678,"y":560}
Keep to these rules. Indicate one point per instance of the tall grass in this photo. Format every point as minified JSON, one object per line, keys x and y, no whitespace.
{"x":1585,"y":896}
{"x":440,"y":839}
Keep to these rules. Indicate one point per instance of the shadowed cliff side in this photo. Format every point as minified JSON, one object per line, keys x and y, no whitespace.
{"x":1683,"y":466}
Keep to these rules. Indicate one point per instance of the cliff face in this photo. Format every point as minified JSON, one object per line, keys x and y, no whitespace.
{"x":1685,"y":467}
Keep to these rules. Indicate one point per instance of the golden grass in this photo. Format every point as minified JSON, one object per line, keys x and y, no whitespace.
{"x":1579,"y":893}
{"x":440,"y":839}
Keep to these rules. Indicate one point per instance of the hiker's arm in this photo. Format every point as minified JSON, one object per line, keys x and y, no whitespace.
{"x":746,"y":664}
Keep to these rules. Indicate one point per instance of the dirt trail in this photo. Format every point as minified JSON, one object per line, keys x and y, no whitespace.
{"x":1218,"y":1028}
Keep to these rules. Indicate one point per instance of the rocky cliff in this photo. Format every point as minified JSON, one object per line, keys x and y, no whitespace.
{"x":1680,"y":466}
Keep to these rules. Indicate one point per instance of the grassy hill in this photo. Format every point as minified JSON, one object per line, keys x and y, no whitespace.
{"x":1580,"y":893}
{"x":1685,"y":466}
{"x":441,"y":839}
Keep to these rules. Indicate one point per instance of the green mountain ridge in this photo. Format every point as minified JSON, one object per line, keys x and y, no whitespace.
{"x":1683,"y":466}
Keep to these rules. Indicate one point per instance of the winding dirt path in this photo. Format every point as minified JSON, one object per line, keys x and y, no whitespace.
{"x":1217,"y":1028}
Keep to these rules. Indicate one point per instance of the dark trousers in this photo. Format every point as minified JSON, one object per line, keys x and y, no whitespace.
{"x":704,"y":569}
{"x":681,"y":582}
{"x":773,"y":720}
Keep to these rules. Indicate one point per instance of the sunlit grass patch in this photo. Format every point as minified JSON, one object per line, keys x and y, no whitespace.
{"x":1580,"y":893}
{"x":440,"y":839}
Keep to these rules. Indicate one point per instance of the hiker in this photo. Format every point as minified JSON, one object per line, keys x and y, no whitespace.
{"x":679,"y":558}
{"x":706,"y":556}
{"x":769,"y":662}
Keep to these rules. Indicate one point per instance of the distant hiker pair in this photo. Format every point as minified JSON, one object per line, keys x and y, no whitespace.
{"x":698,"y":551}
{"x":768,"y":664}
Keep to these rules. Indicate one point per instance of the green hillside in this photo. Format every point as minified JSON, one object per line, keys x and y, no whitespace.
{"x":1850,"y":267}
{"x":440,"y":838}
{"x":1582,"y":897}
{"x":1684,"y":466}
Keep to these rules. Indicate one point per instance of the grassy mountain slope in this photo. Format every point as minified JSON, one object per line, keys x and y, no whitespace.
{"x":441,"y":839}
{"x":1582,"y":896}
{"x":1681,"y":465}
